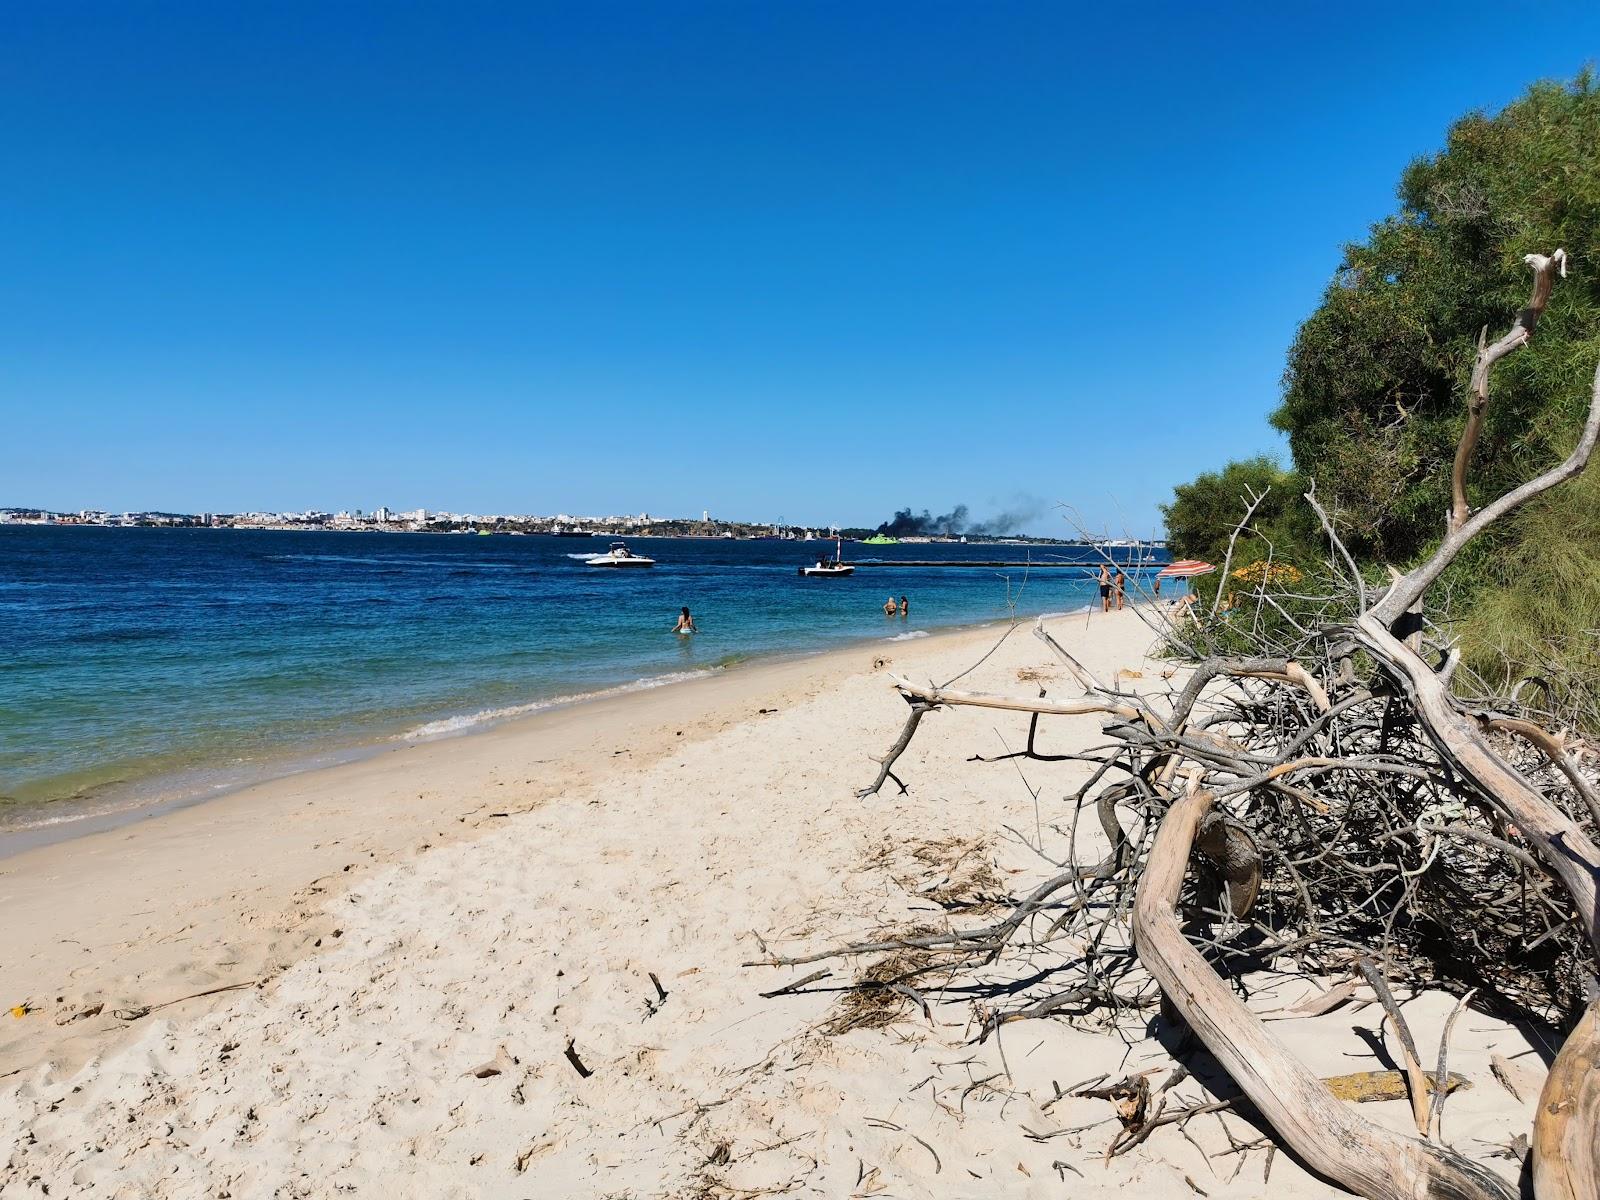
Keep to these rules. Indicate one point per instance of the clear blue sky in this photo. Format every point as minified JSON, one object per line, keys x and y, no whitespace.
{"x":802,"y":259}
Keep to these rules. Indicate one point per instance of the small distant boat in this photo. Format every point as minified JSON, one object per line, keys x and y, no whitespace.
{"x":830,"y":568}
{"x":880,"y":539}
{"x":620,"y":556}
{"x":561,"y":531}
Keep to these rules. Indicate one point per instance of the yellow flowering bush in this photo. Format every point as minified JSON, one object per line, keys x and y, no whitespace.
{"x":1263,"y":571}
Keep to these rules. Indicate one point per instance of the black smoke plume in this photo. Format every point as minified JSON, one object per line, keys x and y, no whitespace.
{"x":908,"y":523}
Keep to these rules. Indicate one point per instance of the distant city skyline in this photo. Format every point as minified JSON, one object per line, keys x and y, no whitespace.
{"x":1025,"y":514}
{"x":819,"y":261}
{"x":422,"y":516}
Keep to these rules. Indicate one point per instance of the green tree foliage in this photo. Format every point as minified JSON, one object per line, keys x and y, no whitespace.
{"x":1204,"y":514}
{"x":1374,"y":394}
{"x":1375,"y":391}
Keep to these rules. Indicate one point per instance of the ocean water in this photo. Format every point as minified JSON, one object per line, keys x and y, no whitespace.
{"x":143,"y":665}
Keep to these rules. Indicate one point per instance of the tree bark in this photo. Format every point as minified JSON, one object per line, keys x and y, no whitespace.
{"x":1566,"y":1130}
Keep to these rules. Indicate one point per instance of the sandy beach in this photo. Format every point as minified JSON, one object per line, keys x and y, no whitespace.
{"x":514,"y":964}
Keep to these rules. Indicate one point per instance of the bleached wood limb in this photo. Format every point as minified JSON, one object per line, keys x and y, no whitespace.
{"x":1416,"y":1080}
{"x":1436,"y":1112}
{"x":1085,"y":677}
{"x":1552,"y":749}
{"x":1545,"y":269}
{"x":1558,"y":840}
{"x":1233,"y":538}
{"x":886,"y":763}
{"x":1303,"y":679}
{"x":1280,"y":670}
{"x":1410,"y":588}
{"x":1061,"y":708}
{"x":1337,"y":543}
{"x":1332,"y":1139}
{"x":1566,"y":1129}
{"x":1237,"y":859}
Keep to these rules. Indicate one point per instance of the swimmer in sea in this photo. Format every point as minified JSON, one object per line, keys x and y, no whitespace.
{"x":685,"y":622}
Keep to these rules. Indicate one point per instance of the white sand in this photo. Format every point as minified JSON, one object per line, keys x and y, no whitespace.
{"x":661,"y":833}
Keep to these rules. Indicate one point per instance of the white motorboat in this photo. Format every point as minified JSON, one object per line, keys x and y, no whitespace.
{"x":620,"y":556}
{"x":830,"y":568}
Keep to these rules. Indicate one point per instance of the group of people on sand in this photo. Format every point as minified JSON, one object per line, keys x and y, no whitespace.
{"x":890,"y":608}
{"x":1111,"y":587}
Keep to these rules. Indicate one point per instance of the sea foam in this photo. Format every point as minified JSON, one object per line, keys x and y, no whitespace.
{"x":464,"y":721}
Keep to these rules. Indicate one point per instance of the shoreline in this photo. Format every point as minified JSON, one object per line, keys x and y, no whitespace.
{"x":573,"y":955}
{"x":123,"y":803}
{"x":245,"y":876}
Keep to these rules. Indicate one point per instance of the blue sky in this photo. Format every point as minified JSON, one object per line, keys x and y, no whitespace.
{"x":808,"y":260}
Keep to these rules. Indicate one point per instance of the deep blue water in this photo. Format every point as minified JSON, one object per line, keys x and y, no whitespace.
{"x":161,"y":658}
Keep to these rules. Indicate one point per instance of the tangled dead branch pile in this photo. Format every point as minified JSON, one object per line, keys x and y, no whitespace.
{"x":1330,"y":804}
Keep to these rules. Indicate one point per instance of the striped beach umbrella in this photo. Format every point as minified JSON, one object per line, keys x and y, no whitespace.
{"x":1187,"y":568}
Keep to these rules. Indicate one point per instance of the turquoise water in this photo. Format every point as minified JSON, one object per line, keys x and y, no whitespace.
{"x":141,"y":663}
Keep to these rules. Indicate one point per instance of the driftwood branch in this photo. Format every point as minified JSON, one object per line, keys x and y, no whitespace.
{"x":886,"y":763}
{"x":1545,"y":269}
{"x":1333,"y":1140}
{"x":933,"y":697}
{"x":1553,"y":749}
{"x":1436,"y":1113}
{"x":1403,"y":594}
{"x":1085,"y":677}
{"x":1416,"y":1085}
{"x":1252,"y":502}
{"x":1556,"y":838}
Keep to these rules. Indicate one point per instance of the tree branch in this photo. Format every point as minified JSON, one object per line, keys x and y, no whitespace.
{"x":1520,"y":334}
{"x":1407,"y":590}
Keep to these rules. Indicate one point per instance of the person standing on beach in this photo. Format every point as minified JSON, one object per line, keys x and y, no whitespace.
{"x":1105,"y":588}
{"x":685,"y":622}
{"x":890,"y":607}
{"x":905,"y":607}
{"x":1121,"y":583}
